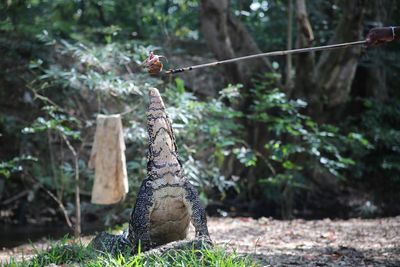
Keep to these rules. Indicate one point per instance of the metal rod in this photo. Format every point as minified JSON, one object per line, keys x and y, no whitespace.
{"x":267,"y":54}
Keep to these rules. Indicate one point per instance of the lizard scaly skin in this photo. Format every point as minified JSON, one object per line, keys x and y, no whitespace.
{"x":166,"y":202}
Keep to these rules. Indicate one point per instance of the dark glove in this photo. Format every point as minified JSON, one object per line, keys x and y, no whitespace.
{"x":377,"y":36}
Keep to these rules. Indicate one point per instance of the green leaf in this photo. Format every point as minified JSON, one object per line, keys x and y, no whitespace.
{"x":180,"y":85}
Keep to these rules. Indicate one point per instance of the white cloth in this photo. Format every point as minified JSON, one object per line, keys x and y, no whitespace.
{"x":108,"y":158}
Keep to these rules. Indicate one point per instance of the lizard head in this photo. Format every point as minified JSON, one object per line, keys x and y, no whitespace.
{"x":155,"y":99}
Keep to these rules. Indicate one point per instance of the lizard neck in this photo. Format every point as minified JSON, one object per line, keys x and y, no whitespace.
{"x":162,"y":157}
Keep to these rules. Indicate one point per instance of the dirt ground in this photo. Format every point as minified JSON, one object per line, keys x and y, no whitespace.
{"x":354,"y":242}
{"x":312,"y":243}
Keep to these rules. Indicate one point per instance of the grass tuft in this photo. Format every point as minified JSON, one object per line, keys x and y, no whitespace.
{"x":76,"y":254}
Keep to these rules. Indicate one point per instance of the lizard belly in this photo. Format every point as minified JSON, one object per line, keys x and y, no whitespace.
{"x":169,"y":219}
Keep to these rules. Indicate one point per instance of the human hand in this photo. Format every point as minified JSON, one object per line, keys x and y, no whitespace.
{"x":377,"y":36}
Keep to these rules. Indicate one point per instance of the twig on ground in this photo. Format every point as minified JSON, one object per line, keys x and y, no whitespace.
{"x":60,"y":204}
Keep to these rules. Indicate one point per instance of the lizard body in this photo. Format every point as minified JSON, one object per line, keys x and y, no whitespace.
{"x":166,"y":201}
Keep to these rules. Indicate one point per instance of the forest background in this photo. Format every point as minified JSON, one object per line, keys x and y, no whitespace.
{"x":310,"y":136}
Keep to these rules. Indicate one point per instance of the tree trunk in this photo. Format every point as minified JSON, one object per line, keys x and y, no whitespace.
{"x":326,"y":84}
{"x":288,"y":79}
{"x":335,"y":70}
{"x":227,"y":37}
{"x":305,"y":63}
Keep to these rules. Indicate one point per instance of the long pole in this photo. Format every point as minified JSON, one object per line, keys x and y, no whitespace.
{"x":267,"y":54}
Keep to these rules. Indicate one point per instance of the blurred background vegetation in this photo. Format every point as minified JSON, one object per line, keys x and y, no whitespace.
{"x":312,"y":136}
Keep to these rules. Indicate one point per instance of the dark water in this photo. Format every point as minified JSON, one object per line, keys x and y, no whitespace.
{"x":15,"y":235}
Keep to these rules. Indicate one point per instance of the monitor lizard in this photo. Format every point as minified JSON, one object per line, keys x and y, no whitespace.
{"x":166,"y":202}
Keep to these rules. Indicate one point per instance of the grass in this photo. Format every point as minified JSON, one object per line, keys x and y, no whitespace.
{"x":76,"y":254}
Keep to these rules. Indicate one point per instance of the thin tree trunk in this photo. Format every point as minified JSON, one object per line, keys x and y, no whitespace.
{"x":52,"y":164}
{"x":305,"y":63}
{"x":77,"y":229}
{"x":288,"y":80}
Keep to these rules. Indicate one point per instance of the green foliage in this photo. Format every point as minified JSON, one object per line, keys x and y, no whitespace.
{"x":58,"y":120}
{"x":102,"y":21}
{"x":97,"y":68}
{"x":63,"y":86}
{"x":267,"y":21}
{"x":246,"y":156}
{"x":378,"y":164}
{"x":84,"y":60}
{"x":13,"y":165}
{"x":68,"y":127}
{"x":264,"y":16}
{"x":206,"y":134}
{"x":296,"y":143}
{"x":66,"y":253}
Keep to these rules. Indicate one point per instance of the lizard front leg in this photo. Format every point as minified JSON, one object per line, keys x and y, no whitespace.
{"x":196,"y":211}
{"x":139,"y":224}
